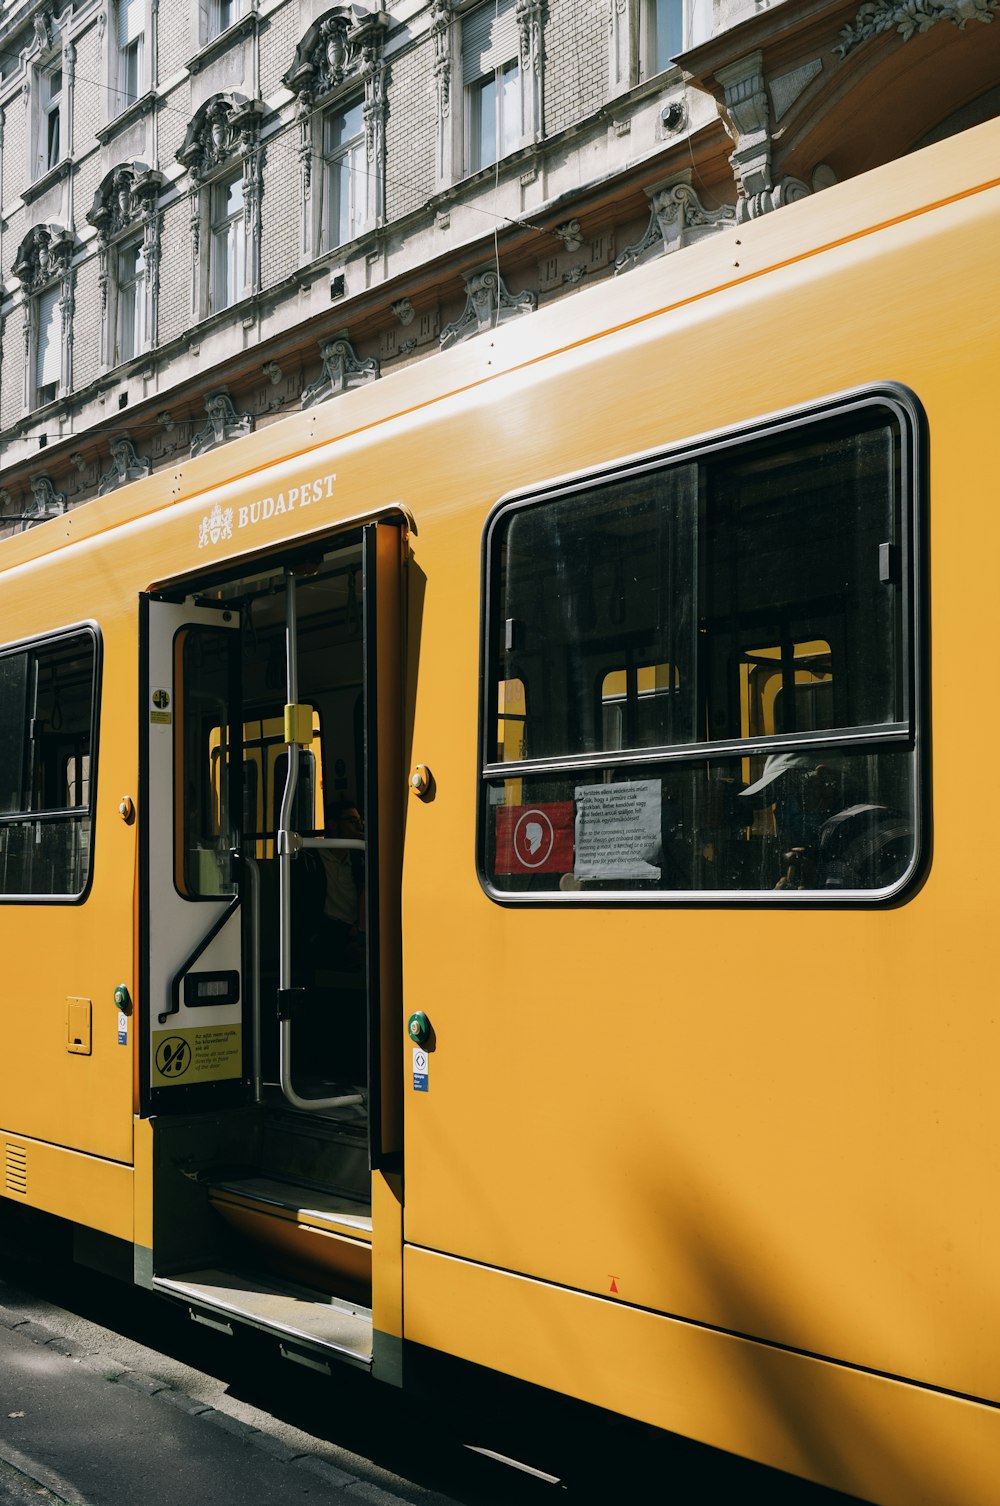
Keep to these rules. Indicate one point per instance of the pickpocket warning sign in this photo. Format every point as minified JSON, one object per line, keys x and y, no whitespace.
{"x":209,"y":1053}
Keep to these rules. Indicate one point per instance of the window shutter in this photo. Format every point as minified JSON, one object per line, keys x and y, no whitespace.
{"x":489,"y":38}
{"x":130,"y":21}
{"x":48,"y":346}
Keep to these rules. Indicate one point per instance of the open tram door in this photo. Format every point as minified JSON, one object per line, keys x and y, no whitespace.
{"x":270,"y":1061}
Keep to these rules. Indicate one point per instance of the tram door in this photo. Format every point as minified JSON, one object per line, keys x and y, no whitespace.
{"x":197,"y":1048}
{"x":272,"y":705}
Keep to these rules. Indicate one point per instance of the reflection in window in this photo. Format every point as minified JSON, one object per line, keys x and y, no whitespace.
{"x":47,"y":735}
{"x":634,"y":704}
{"x":746,"y":617}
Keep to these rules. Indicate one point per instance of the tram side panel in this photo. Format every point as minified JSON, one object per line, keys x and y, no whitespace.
{"x":68,"y":877}
{"x":768,"y":1120}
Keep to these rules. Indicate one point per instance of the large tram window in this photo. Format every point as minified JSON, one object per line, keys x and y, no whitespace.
{"x":47,"y":744}
{"x":716,"y":648}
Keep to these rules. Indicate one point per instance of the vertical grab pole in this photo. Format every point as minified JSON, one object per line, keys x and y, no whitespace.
{"x":253,"y":873}
{"x":284,"y":830}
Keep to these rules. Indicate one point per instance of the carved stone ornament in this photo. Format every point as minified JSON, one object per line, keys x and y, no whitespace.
{"x":342,"y":369}
{"x":677,"y":219}
{"x":126,"y":466}
{"x":48,"y":503}
{"x":746,"y":117}
{"x":226,"y":127}
{"x":224,"y":424}
{"x":334,"y":50}
{"x":441,"y":18}
{"x":487,"y":304}
{"x":44,"y":30}
{"x":908,"y":17}
{"x":127,"y":196}
{"x":44,"y":254}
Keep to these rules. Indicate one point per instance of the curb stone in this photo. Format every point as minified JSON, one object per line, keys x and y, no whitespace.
{"x":162,"y":1390}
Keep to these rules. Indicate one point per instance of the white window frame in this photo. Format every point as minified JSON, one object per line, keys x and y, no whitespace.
{"x":130,"y":80}
{"x":227,"y":242}
{"x":129,"y":315}
{"x":502,"y":85}
{"x":222,"y":14}
{"x":481,"y":43}
{"x":490,"y":55}
{"x":46,"y":342}
{"x":344,"y":175}
{"x":644,"y":34}
{"x":50,"y":118}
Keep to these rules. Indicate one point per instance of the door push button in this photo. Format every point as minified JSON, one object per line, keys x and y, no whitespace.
{"x":419,"y":1029}
{"x":123,"y":999}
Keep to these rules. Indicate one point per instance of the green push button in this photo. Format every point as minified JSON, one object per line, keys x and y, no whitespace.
{"x":419,"y":1028}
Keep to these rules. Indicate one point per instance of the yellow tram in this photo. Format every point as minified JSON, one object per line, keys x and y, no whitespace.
{"x":657,"y":1065}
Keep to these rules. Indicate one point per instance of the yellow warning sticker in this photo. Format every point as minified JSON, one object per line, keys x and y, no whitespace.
{"x":208,"y":1053}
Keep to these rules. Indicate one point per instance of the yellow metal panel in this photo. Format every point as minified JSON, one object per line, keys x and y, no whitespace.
{"x":865,"y":1434}
{"x":85,"y":1189}
{"x":387,"y":1262}
{"x":775,"y":1123}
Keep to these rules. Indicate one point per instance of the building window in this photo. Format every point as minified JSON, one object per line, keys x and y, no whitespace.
{"x":47,"y":765}
{"x":228,"y":242}
{"x":345,"y":179}
{"x":494,"y":111}
{"x":48,"y":122}
{"x":665,"y":33}
{"x":223,"y":14}
{"x":667,"y":28}
{"x":714,"y":656}
{"x":130,"y":52}
{"x":48,"y":348}
{"x":131,"y":293}
{"x":491,"y":77}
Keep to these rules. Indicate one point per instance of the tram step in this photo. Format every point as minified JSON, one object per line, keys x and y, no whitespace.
{"x":309,"y":1323}
{"x":311,"y":1149}
{"x":320,"y":1237}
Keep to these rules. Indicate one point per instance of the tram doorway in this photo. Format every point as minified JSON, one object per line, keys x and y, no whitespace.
{"x":271,"y":923}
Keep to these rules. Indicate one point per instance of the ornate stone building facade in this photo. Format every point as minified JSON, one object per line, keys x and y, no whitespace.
{"x":235,"y":209}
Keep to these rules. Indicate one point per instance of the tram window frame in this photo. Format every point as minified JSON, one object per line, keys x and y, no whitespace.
{"x":886,"y":750}
{"x":208,"y":800}
{"x":78,"y":817}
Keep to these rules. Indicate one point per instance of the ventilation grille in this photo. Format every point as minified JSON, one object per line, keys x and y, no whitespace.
{"x":16,"y":1168}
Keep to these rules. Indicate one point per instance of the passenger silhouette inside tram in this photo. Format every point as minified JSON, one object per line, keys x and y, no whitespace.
{"x":827,"y":836}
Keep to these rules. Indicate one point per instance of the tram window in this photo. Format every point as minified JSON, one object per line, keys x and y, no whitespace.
{"x":47,"y":743}
{"x":205,"y":763}
{"x":716,"y":646}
